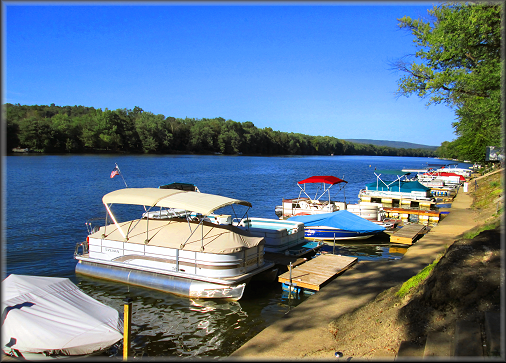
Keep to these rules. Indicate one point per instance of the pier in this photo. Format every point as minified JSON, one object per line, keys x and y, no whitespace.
{"x":316,"y":272}
{"x":422,"y":215}
{"x":407,"y":234}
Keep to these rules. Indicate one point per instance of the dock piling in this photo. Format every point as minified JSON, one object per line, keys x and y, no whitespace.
{"x":127,"y":321}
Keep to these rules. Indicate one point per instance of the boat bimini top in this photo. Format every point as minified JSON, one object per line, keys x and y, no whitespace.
{"x":324,"y":179}
{"x":203,"y":203}
{"x":200,"y":203}
{"x":398,"y":173}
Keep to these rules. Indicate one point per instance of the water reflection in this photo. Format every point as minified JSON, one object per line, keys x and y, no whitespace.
{"x":165,"y":325}
{"x":366,"y":251}
{"x":172,"y":326}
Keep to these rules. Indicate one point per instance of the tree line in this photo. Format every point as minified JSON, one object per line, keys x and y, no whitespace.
{"x":79,"y":129}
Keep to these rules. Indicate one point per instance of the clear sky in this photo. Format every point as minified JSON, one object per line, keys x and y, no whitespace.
{"x":312,"y":68}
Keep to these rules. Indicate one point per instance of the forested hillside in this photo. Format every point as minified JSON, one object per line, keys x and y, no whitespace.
{"x":396,"y":144}
{"x":79,"y":129}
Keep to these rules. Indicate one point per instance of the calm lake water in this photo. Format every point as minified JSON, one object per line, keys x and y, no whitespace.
{"x":48,"y":199}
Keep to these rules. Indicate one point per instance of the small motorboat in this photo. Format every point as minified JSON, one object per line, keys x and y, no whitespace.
{"x":321,"y":201}
{"x":400,"y":191}
{"x":50,"y":317}
{"x":337,"y":226}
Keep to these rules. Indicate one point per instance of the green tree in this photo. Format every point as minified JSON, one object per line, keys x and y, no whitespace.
{"x":35,"y":133}
{"x":459,"y":64}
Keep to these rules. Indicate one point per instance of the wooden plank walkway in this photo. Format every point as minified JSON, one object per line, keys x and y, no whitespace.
{"x":314,"y":273}
{"x":407,"y":234}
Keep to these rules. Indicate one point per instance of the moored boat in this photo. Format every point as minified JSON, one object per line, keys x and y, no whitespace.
{"x":185,"y":256}
{"x":399,"y":191}
{"x":304,"y":204}
{"x":337,"y":226}
{"x":279,"y":235}
{"x":50,"y":317}
{"x":324,"y":203}
{"x":452,"y":168}
{"x":439,"y":185}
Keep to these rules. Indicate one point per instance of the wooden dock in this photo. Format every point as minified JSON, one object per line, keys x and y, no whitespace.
{"x":424,"y":215}
{"x":407,"y":234}
{"x":314,"y":273}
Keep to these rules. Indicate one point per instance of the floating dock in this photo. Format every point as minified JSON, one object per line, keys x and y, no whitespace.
{"x":397,"y":201}
{"x":446,"y":193}
{"x":314,"y":273}
{"x":424,"y":216}
{"x":407,"y":234}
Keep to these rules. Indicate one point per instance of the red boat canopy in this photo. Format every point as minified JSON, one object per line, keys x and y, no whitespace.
{"x":329,"y":179}
{"x":442,"y":173}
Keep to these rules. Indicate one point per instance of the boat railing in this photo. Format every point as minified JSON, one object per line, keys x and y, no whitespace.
{"x":91,"y":224}
{"x":83,"y":246}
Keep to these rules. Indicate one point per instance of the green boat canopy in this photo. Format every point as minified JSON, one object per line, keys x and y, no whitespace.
{"x":405,"y":186}
{"x":394,"y":172}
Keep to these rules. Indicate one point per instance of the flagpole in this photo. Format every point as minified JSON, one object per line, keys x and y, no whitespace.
{"x":120,"y":173}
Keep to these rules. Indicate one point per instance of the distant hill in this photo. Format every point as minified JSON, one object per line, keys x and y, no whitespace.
{"x":396,"y":144}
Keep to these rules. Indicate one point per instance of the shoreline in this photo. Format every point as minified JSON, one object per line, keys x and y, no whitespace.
{"x":304,"y":331}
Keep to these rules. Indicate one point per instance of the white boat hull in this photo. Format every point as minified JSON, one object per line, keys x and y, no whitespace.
{"x":326,"y":233}
{"x":178,"y":285}
{"x":306,"y":206}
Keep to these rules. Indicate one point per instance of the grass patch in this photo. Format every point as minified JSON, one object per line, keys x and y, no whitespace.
{"x":416,"y":280}
{"x":487,"y":192}
{"x":476,"y":231}
{"x":495,"y":184}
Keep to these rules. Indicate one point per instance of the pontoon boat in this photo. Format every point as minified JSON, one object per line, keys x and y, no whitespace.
{"x":190,"y":258}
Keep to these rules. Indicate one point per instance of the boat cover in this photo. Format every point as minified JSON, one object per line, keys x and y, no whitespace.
{"x":173,"y":233}
{"x":405,"y":187}
{"x":203,"y":203}
{"x":329,"y":179}
{"x":51,"y":314}
{"x":342,"y":219}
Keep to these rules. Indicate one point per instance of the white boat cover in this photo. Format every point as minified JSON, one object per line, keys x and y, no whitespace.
{"x":203,"y":203}
{"x":52,"y":315}
{"x":208,"y":237}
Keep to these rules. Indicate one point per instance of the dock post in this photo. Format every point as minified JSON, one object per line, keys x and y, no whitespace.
{"x":334,"y":248}
{"x":127,"y":321}
{"x":290,"y":285}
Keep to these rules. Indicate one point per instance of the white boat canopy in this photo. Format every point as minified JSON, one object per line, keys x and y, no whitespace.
{"x":52,"y":315}
{"x":203,"y":203}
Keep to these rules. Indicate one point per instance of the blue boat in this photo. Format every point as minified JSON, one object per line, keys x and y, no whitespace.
{"x":337,"y":226}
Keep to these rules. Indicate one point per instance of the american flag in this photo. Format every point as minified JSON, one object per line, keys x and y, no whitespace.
{"x":114,"y":172}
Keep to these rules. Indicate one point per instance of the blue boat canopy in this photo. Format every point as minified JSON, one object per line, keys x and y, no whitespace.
{"x":342,"y":219}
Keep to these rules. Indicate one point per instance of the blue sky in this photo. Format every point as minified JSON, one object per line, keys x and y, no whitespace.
{"x":311,"y":68}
